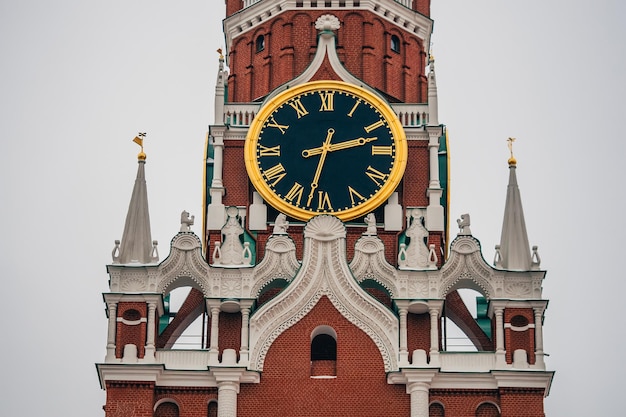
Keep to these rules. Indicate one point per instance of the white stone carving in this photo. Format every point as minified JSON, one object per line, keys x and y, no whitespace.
{"x":327,"y":22}
{"x":324,"y":273}
{"x":231,"y":247}
{"x":464,"y":225}
{"x":185,"y":221}
{"x":369,"y":263}
{"x":370,"y":221}
{"x":415,"y":254}
{"x":280,"y":225}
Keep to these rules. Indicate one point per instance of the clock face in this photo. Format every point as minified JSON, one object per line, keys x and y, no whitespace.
{"x":325,"y":147}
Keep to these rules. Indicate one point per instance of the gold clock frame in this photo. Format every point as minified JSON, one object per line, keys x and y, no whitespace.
{"x":395,"y":176}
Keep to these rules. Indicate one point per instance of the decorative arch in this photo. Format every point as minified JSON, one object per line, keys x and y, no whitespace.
{"x":487,"y":409}
{"x":326,"y":274}
{"x":185,"y":266}
{"x":166,"y":407}
{"x":466,"y":268}
{"x":436,"y":409}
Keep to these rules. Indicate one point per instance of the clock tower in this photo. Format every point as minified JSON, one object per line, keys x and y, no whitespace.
{"x":324,"y":281}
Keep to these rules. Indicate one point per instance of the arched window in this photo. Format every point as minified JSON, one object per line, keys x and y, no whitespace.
{"x":436,"y":410}
{"x":395,"y":43}
{"x":324,"y":348}
{"x":212,"y":409}
{"x":487,"y":410}
{"x":324,"y":352}
{"x":166,"y":408}
{"x":260,"y":43}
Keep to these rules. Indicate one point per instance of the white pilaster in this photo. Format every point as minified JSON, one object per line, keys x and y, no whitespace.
{"x":404,"y":350}
{"x":500,"y":352}
{"x":110,"y":357}
{"x":213,"y":341}
{"x":150,"y":348}
{"x":434,"y":211}
{"x":216,"y":214}
{"x":434,"y":335}
{"x":539,"y":355}
{"x":245,"y":322}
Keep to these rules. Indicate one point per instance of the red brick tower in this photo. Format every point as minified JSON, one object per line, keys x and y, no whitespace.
{"x":324,"y":283}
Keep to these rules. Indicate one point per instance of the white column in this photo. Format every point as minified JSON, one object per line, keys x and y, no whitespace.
{"x":216,"y":216}
{"x":500,"y":352}
{"x":404,"y":350}
{"x":539,"y":339}
{"x":213,"y":344}
{"x":434,"y":336}
{"x":434,"y":211}
{"x":419,"y":398}
{"x":227,"y":399}
{"x":245,"y":318}
{"x":110,"y":357}
{"x":150,"y":349}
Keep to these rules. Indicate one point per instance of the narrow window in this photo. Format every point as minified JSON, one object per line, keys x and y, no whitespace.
{"x":324,"y":348}
{"x":260,"y":43}
{"x":395,"y":43}
{"x":324,"y":352}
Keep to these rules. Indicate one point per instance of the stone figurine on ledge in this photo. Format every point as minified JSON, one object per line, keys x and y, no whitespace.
{"x":185,"y":221}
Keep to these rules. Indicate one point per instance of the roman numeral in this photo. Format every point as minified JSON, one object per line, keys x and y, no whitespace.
{"x":354,"y":108}
{"x":295,"y":193}
{"x":276,"y":173}
{"x":353,"y":194}
{"x":272,"y":151}
{"x":323,"y":201}
{"x":375,"y":175}
{"x":382,"y":150}
{"x":298,"y":107}
{"x":373,"y":126}
{"x":271,"y":122}
{"x":327,"y":101}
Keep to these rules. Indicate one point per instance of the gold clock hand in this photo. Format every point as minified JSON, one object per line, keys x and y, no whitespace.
{"x":338,"y":146}
{"x":323,"y":150}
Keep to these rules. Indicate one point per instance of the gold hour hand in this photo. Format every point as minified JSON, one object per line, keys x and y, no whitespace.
{"x":323,"y":150}
{"x":338,"y":146}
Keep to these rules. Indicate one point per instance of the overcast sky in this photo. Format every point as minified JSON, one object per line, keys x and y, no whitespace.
{"x":79,"y":79}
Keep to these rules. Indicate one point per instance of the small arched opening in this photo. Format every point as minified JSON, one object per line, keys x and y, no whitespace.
{"x":323,"y":352}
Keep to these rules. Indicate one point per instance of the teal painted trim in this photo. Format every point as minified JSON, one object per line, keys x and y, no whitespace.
{"x":164,"y":320}
{"x":482,"y":319}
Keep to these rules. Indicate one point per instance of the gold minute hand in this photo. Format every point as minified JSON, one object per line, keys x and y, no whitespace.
{"x":338,"y":146}
{"x":323,"y":150}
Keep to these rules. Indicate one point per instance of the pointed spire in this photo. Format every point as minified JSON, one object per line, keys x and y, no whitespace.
{"x":220,"y":89}
{"x":137,"y":245}
{"x":514,"y":250}
{"x":433,"y":105}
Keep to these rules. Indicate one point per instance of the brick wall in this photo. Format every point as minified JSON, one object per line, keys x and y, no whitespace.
{"x":363,"y":44}
{"x":287,"y":389}
{"x":129,"y":399}
{"x":131,"y":334}
{"x":519,"y":340}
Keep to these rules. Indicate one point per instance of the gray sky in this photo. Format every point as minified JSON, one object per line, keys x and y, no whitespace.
{"x":79,"y":79}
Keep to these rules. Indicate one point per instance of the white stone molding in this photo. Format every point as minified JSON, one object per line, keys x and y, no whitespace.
{"x":279,"y":262}
{"x":184,"y":266}
{"x":369,"y":262}
{"x":466,"y":268}
{"x":325,"y":272}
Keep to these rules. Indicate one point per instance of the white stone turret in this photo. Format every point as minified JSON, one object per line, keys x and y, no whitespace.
{"x":215,"y":213}
{"x":136,"y":245}
{"x":513,"y":253}
{"x":433,"y":105}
